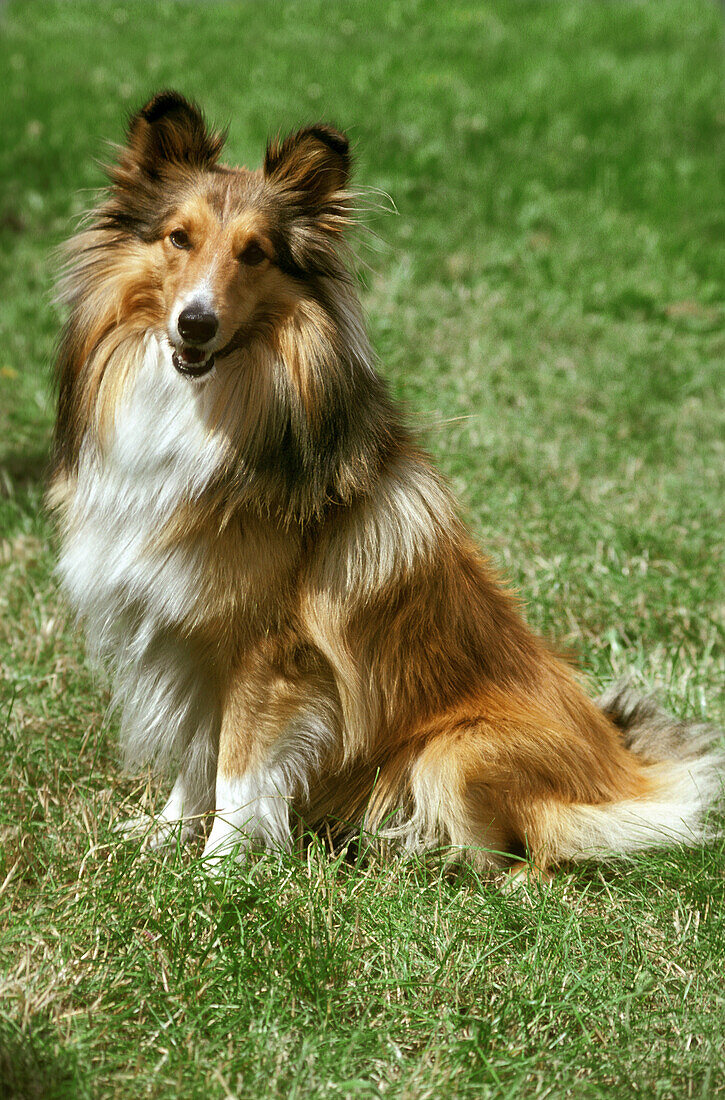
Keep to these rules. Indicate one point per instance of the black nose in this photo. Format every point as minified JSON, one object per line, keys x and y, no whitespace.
{"x":197,"y":326}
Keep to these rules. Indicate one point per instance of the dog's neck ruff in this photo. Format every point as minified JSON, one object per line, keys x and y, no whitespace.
{"x":160,"y":433}
{"x":159,"y":455}
{"x":135,"y":592}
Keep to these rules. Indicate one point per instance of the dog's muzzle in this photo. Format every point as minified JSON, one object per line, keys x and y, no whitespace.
{"x":197,"y":328}
{"x":193,"y":362}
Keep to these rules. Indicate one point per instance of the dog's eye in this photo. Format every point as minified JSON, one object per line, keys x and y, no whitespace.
{"x":253,"y":254}
{"x":180,"y":239}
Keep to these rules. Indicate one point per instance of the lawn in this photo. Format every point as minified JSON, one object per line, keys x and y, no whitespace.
{"x":544,"y":286}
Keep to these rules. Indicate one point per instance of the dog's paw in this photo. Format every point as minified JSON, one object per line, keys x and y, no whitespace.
{"x":524,"y":879}
{"x":220,"y":853}
{"x":154,"y":832}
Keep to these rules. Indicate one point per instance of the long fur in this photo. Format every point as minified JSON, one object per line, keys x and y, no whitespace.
{"x":292,"y":612}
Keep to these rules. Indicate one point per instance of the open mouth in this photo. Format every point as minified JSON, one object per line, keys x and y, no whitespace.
{"x":193,"y":362}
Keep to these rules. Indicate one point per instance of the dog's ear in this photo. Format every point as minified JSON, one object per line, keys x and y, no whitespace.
{"x":313,"y":163}
{"x":171,"y":130}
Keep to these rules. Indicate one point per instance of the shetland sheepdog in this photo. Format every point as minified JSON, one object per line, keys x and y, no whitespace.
{"x":294,"y":617}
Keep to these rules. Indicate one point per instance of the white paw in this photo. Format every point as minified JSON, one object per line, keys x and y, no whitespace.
{"x":225,"y":840}
{"x":155,"y":832}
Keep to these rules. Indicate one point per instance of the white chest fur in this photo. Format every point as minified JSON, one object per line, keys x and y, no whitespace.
{"x":160,"y":455}
{"x":131,"y":593}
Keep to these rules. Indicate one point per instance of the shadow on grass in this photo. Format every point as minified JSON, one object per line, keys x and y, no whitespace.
{"x":36,"y":1065}
{"x":22,"y":470}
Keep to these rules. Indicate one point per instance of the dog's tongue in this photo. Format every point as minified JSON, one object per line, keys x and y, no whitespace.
{"x":193,"y":355}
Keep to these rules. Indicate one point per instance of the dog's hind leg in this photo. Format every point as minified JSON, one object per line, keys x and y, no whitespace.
{"x":555,"y":788}
{"x":452,"y":786}
{"x":483,"y":787}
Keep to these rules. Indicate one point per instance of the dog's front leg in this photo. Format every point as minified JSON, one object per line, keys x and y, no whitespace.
{"x":171,"y":824}
{"x":190,"y":801}
{"x":281,"y":725}
{"x":251,"y":810}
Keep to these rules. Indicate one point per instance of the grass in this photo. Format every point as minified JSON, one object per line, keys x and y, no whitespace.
{"x":549,"y":304}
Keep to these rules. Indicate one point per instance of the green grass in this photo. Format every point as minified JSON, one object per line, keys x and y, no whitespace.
{"x":549,"y":304}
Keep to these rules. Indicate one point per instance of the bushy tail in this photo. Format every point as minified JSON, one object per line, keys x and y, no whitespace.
{"x":684,"y":769}
{"x":651,"y":732}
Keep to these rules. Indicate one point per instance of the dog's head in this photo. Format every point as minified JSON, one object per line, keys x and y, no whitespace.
{"x":244,"y":276}
{"x":227,"y":250}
